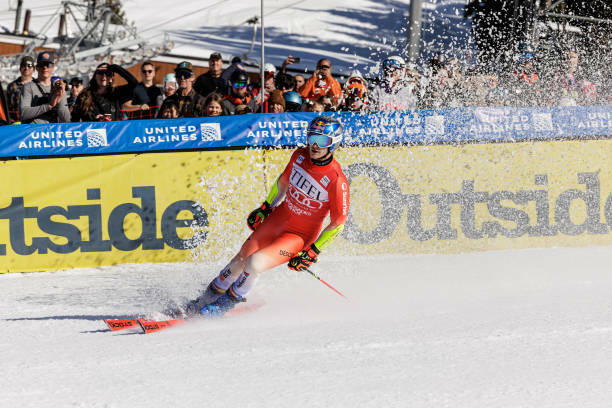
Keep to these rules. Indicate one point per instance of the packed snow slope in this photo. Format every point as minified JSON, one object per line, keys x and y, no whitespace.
{"x":529,"y":328}
{"x":355,"y":34}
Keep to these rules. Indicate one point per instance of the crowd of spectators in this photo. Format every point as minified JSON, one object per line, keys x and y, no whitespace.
{"x":445,"y":82}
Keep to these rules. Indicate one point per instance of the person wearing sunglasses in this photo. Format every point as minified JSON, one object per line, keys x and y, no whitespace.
{"x":188,"y":100}
{"x":288,"y":226}
{"x":13,"y":90}
{"x":240,"y":95}
{"x":42,"y":101}
{"x":102,"y":100}
{"x":147,"y":95}
{"x":321,"y":83}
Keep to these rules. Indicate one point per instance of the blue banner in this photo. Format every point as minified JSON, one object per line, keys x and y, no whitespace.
{"x":458,"y":125}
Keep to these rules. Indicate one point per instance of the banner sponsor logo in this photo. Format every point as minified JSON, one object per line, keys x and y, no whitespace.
{"x":96,"y":138}
{"x":277,"y":129}
{"x":55,"y":221}
{"x":50,"y":140}
{"x":503,"y":207}
{"x":167,"y":135}
{"x":210,"y":131}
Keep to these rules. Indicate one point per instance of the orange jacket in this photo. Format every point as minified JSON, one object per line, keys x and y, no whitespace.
{"x":315,"y":87}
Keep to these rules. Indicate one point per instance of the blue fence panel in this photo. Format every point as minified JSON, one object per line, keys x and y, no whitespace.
{"x":457,"y":125}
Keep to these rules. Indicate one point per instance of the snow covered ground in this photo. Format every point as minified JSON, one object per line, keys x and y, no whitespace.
{"x":529,"y":328}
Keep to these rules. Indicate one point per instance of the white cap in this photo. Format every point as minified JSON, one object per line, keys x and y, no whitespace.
{"x":169,"y":78}
{"x":269,"y":68}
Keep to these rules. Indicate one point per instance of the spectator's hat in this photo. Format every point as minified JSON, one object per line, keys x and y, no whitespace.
{"x":25,"y":60}
{"x":184,"y":66}
{"x":276,"y":97}
{"x":169,"y":78}
{"x":215,"y":56}
{"x":45,"y":57}
{"x":236,"y":60}
{"x":269,"y":68}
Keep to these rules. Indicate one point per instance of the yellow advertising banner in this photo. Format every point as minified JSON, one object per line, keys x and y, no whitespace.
{"x":170,"y":207}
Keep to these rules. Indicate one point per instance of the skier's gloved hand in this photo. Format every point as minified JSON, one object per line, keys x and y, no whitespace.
{"x":304,"y":259}
{"x":257,"y":216}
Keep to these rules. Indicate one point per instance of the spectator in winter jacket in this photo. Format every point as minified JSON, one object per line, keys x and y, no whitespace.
{"x":102,"y":100}
{"x":392,"y":92}
{"x":13,"y":90}
{"x":42,"y":101}
{"x":212,"y":81}
{"x":188,"y":100}
{"x":239,"y":94}
{"x":321,"y":83}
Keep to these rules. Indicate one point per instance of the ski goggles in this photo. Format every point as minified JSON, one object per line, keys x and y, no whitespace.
{"x":392,"y":64}
{"x":525,"y":57}
{"x":239,"y":84}
{"x":320,"y":140}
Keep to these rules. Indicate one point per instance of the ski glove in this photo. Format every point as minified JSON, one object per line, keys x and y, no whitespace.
{"x":257,"y":216}
{"x":304,"y":259}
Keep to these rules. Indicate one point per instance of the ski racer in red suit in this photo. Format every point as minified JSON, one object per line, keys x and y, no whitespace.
{"x":287,"y":227}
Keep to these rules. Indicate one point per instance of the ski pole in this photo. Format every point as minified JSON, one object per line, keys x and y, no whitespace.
{"x":325,"y":283}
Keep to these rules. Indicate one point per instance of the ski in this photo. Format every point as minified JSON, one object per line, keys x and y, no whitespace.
{"x":155,"y":326}
{"x":152,"y":327}
{"x":122,"y":324}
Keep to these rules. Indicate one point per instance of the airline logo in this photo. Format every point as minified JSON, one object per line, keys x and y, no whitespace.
{"x":300,"y":159}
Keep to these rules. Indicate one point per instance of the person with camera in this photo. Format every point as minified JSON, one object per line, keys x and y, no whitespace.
{"x":321,"y":83}
{"x":101,"y":101}
{"x":44,"y":100}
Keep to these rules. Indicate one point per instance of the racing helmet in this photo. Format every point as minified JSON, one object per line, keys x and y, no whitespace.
{"x":325,"y":131}
{"x":293,"y":101}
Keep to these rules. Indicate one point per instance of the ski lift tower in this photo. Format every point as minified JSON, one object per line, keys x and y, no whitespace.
{"x":88,"y":32}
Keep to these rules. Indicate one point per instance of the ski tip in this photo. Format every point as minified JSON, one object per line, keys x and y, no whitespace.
{"x":121,"y":324}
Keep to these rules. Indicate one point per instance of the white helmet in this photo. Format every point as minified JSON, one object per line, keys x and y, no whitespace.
{"x":269,"y":68}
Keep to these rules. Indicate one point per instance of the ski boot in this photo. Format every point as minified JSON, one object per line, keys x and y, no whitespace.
{"x":222,"y":305}
{"x":210,"y":295}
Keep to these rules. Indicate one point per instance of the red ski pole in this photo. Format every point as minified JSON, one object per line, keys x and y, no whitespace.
{"x":325,"y":283}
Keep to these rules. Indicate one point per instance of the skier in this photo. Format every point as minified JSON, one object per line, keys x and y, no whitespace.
{"x":312,"y":186}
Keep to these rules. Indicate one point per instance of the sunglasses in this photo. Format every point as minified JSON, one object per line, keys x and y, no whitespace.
{"x":183,"y":74}
{"x":108,"y":74}
{"x":30,"y":66}
{"x":323,"y":67}
{"x":147,"y":71}
{"x":239,"y":84}
{"x":44,"y":65}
